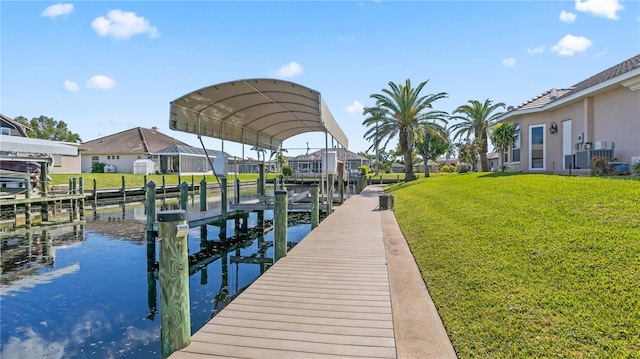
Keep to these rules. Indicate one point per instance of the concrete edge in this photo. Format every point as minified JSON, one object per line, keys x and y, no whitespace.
{"x":417,"y":336}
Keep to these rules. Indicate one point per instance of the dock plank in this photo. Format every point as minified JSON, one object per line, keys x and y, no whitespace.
{"x":329,"y":297}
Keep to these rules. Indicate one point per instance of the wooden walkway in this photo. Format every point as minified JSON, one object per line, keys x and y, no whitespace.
{"x":330,"y":297}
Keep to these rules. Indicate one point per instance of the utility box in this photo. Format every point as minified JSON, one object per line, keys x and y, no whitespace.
{"x":221,"y":166}
{"x":386,"y":201}
{"x":330,"y":163}
{"x":109,"y":168}
{"x":143,"y":167}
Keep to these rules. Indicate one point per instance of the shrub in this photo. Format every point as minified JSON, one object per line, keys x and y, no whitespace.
{"x":98,"y":167}
{"x":363,"y":170}
{"x":600,"y":166}
{"x":287,"y":171}
{"x":449,"y":169}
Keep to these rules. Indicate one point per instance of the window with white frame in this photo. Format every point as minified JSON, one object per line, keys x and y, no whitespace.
{"x":515,"y":148}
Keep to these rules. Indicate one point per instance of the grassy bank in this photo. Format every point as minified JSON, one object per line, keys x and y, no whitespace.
{"x":529,"y":265}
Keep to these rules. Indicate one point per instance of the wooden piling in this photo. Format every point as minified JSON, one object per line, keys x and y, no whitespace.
{"x":74,"y":202}
{"x":236,"y":192}
{"x":224,"y":203}
{"x":203,"y":195}
{"x":27,"y":205}
{"x":71,"y":209}
{"x":150,"y":206}
{"x":81,"y":200}
{"x":330,"y":194}
{"x":44,"y":191}
{"x":175,"y":327}
{"x":261,"y":180}
{"x":124,"y":191}
{"x":280,"y":225}
{"x":95,"y":193}
{"x":315,"y":210}
{"x":184,"y":195}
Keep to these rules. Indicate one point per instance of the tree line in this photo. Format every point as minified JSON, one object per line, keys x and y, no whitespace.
{"x":402,"y":112}
{"x":47,"y":128}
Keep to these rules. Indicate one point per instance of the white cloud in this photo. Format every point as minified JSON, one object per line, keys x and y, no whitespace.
{"x":510,"y":62}
{"x":355,"y":108}
{"x":569,"y":45}
{"x":100,"y":82}
{"x":567,"y":16}
{"x":289,"y":70}
{"x":536,"y":50}
{"x":70,"y":86}
{"x":122,"y":25}
{"x":58,"y":9}
{"x":602,"y":8}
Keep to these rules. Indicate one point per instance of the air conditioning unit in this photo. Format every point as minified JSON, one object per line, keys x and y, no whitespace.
{"x":601,"y":145}
{"x":569,"y":161}
{"x":635,"y":159}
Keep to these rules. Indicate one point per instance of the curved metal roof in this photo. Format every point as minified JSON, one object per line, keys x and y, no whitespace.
{"x":257,"y":112}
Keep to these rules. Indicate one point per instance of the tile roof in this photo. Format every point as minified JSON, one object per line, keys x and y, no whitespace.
{"x":556,"y":94}
{"x":136,"y":140}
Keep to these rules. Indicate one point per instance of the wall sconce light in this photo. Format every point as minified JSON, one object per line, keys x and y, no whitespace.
{"x":553,"y":128}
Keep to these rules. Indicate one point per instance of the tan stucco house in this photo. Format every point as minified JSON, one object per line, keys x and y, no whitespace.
{"x":565,"y":128}
{"x":120,"y":150}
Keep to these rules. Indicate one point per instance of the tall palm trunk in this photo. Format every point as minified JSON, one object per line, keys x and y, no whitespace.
{"x":407,"y":154}
{"x":426,"y":167}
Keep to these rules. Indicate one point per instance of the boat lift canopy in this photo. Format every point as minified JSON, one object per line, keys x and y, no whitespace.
{"x":257,"y":112}
{"x":17,"y":144}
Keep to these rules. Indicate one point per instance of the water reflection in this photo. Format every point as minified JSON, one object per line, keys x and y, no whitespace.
{"x":90,"y":289}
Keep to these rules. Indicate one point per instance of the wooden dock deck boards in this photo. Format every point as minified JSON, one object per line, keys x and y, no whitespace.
{"x":328,"y":298}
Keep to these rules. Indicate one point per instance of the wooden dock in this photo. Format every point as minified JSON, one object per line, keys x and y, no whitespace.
{"x":328,"y":298}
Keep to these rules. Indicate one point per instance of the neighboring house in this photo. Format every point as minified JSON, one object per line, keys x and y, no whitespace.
{"x":10,"y":127}
{"x":120,"y":150}
{"x":443,"y":161}
{"x":249,"y":165}
{"x":312,"y":163}
{"x":397,"y":167}
{"x":565,"y":128}
{"x":493,"y":158}
{"x":62,"y":164}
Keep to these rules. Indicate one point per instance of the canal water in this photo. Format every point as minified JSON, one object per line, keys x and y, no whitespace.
{"x":88,"y":290}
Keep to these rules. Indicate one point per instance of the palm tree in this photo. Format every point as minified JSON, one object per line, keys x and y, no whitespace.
{"x":401,"y":111}
{"x":502,"y":136}
{"x":435,"y":142}
{"x":258,"y":151}
{"x":476,"y":119}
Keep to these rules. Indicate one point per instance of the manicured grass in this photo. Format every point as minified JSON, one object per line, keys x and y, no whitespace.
{"x":523,"y":265}
{"x":114,"y":180}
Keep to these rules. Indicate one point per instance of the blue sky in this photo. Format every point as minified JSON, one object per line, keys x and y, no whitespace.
{"x":104,"y":67}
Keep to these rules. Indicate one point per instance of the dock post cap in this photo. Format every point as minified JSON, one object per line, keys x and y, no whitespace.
{"x":314,"y":185}
{"x":172,"y":215}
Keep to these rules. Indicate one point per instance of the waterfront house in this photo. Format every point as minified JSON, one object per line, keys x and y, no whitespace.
{"x":565,"y":128}
{"x":312,"y":162}
{"x":120,"y":150}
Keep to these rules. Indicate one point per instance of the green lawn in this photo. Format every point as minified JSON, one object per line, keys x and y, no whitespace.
{"x":529,"y":265}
